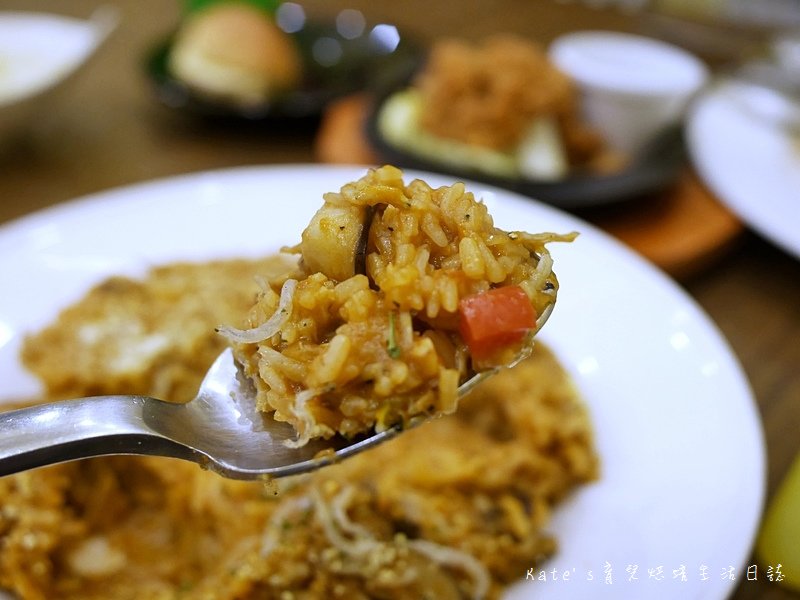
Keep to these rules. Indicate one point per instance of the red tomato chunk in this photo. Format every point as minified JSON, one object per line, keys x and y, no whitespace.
{"x":494,"y":319}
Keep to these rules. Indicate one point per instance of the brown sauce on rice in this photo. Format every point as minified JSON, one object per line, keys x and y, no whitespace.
{"x":457,"y":508}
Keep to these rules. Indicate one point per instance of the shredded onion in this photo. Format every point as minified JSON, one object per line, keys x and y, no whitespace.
{"x":335,"y":522}
{"x":301,"y":412}
{"x":339,"y":512}
{"x":543,"y":270}
{"x":271,"y":326}
{"x":452,"y":557}
{"x":276,"y":522}
{"x":359,"y":547}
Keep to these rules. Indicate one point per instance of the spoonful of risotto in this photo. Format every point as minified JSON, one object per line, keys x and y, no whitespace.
{"x":403,"y":298}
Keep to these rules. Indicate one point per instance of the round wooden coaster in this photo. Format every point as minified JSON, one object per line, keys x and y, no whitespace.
{"x":682,"y":229}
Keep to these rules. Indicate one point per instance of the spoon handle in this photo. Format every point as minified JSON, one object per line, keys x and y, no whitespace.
{"x":72,"y":429}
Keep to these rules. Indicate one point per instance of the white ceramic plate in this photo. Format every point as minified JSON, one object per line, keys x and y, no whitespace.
{"x":677,"y":428}
{"x":751,"y":164}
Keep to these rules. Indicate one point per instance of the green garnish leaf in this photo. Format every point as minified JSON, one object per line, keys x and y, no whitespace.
{"x":391,"y":343}
{"x":193,"y":6}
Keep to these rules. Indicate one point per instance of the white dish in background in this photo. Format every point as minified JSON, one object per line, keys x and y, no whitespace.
{"x":677,"y":430}
{"x":749,"y":162}
{"x":632,"y":87}
{"x":38,"y":53}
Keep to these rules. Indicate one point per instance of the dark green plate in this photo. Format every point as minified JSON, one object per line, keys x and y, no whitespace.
{"x":368,"y":61}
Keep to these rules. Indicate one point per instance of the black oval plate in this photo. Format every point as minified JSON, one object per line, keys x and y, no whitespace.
{"x":655,"y":168}
{"x":363,"y":64}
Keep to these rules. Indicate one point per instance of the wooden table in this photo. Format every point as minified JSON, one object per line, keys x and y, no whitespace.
{"x":108,"y":131}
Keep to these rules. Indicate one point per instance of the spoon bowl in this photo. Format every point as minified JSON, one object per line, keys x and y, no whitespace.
{"x":220,"y":429}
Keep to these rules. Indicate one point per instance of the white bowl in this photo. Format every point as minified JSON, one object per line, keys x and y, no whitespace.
{"x":632,"y":87}
{"x":39,"y":53}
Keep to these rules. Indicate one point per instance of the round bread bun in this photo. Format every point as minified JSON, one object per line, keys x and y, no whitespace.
{"x":234,"y":51}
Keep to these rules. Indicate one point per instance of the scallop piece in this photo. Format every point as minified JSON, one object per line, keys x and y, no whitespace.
{"x":333,"y":241}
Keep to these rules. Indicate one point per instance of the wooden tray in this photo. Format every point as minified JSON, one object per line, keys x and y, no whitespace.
{"x":682,"y":229}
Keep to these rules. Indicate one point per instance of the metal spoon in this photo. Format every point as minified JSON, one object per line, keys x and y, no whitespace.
{"x":215,"y":430}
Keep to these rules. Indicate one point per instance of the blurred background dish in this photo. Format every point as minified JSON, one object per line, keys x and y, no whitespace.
{"x":768,"y":89}
{"x":212,"y":67}
{"x":236,"y":53}
{"x":751,"y":163}
{"x":502,"y":111}
{"x":632,"y":87}
{"x":655,"y":168}
{"x":39,"y":54}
